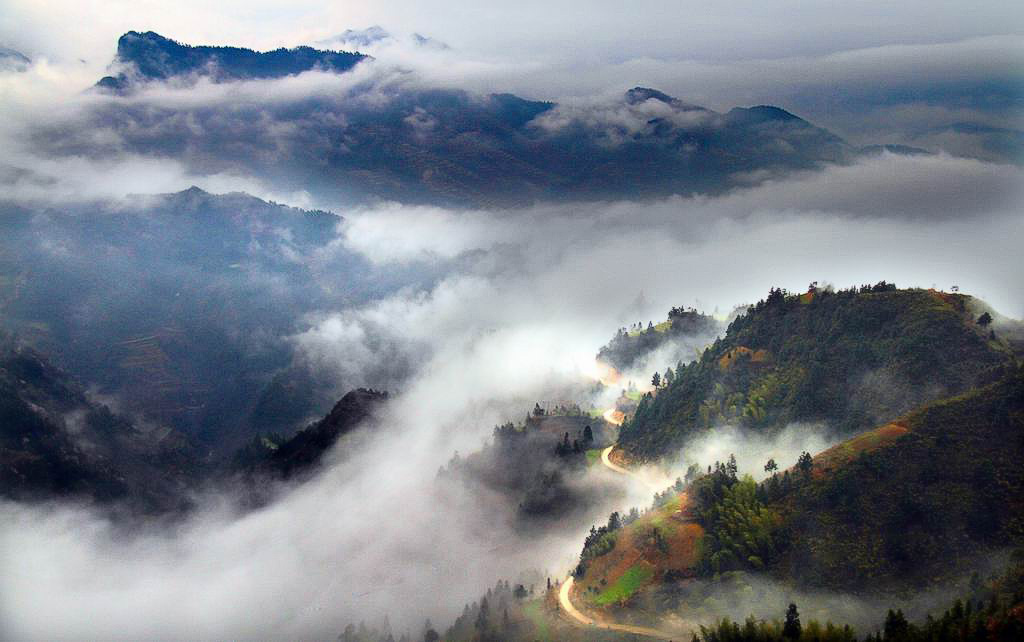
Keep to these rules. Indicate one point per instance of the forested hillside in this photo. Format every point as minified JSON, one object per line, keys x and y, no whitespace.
{"x":853,"y":359}
{"x":913,"y":501}
{"x":57,"y":442}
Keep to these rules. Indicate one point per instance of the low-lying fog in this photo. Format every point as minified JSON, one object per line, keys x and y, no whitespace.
{"x":528,"y":299}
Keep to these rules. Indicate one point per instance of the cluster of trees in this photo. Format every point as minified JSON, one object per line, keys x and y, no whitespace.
{"x":498,"y":616}
{"x":636,"y":327}
{"x":659,"y":380}
{"x":381,"y":633}
{"x":789,"y":629}
{"x":740,"y":531}
{"x":599,"y":541}
{"x":583,"y":442}
{"x":566,"y":409}
{"x":1000,"y":619}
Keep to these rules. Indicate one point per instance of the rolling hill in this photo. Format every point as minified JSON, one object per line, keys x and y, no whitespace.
{"x":909,"y":506}
{"x":852,"y":359}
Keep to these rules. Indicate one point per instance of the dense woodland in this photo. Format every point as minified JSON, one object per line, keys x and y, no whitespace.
{"x":853,"y":358}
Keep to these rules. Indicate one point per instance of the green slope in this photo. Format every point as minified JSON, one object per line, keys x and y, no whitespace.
{"x":913,"y":507}
{"x":854,"y":359}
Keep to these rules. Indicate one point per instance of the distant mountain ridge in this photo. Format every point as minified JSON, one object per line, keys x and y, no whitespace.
{"x":13,"y":60}
{"x":444,"y":145}
{"x":149,"y":56}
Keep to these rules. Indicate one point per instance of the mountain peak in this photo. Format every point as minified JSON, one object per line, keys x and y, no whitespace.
{"x":149,"y":56}
{"x":12,"y":60}
{"x":361,"y":37}
{"x":638,"y":95}
{"x":761,"y":114}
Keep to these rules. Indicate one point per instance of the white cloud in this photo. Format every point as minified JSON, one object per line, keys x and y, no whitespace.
{"x":510,"y":322}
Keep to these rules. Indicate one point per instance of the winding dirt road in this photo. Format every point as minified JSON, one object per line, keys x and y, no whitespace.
{"x":606,"y":459}
{"x":653,"y":486}
{"x":565,"y":601}
{"x":612,"y":416}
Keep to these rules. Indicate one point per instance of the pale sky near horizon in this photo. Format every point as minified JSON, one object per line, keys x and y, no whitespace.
{"x":560,"y":32}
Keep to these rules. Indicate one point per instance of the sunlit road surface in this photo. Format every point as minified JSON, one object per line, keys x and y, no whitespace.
{"x":653,"y":486}
{"x":614,"y":417}
{"x":565,"y":601}
{"x":606,"y":459}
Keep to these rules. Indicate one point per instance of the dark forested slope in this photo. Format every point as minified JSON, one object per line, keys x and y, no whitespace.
{"x":56,"y":442}
{"x":911,"y":501}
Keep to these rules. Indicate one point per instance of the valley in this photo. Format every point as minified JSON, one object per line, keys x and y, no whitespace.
{"x":511,"y":322}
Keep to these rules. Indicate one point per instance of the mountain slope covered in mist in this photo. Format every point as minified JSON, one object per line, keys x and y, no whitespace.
{"x":852,"y":359}
{"x":301,"y":453}
{"x":56,"y":442}
{"x":181,"y":305}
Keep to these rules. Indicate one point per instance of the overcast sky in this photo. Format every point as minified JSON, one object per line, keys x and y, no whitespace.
{"x":574,"y":31}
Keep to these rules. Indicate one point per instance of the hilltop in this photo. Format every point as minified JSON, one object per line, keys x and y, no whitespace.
{"x":852,"y":359}
{"x":684,"y":333}
{"x":537,"y":467}
{"x":911,"y":501}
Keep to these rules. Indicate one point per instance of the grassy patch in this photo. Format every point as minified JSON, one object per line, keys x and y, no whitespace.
{"x":626,"y":585}
{"x":664,"y":326}
{"x":661,"y":517}
{"x":634,"y":395}
{"x":534,"y":611}
{"x":593,"y":456}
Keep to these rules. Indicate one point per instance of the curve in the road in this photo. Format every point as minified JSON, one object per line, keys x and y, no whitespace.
{"x":608,"y":463}
{"x":613,"y":416}
{"x":565,"y":601}
{"x":606,"y":459}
